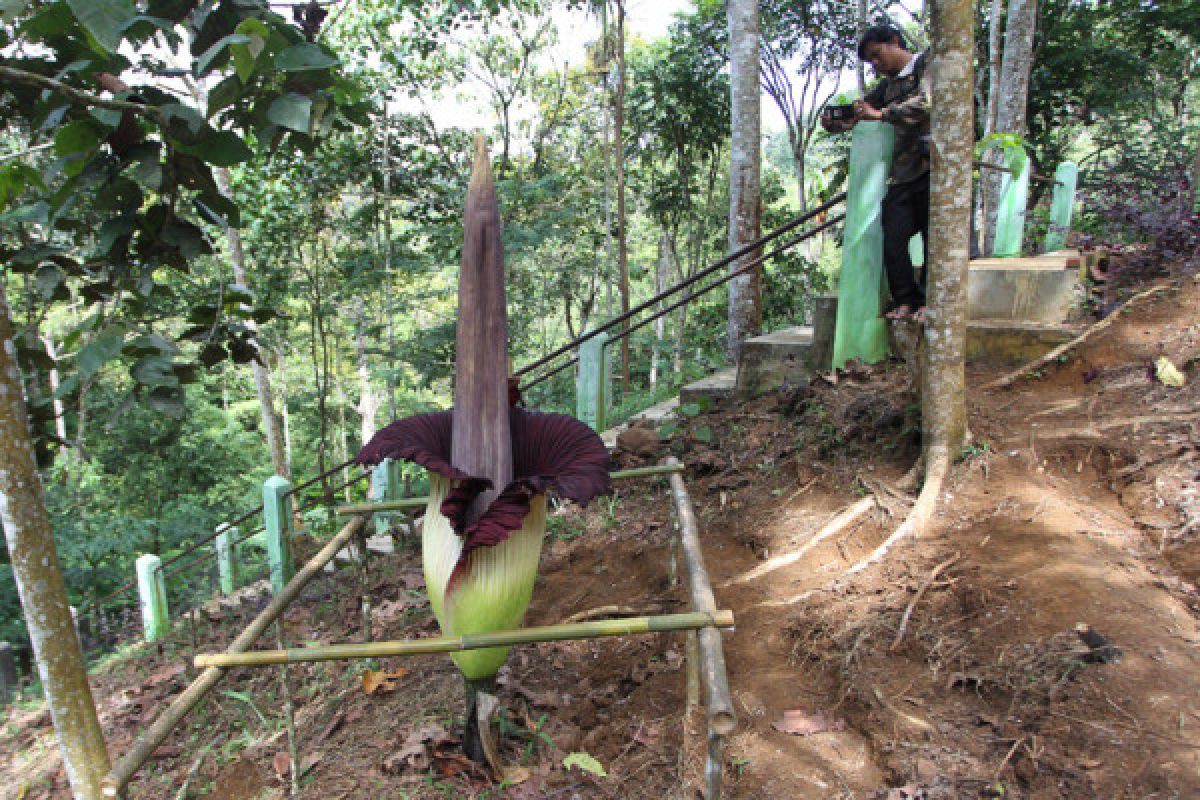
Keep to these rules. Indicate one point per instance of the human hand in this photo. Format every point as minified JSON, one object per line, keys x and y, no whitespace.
{"x":864,"y":110}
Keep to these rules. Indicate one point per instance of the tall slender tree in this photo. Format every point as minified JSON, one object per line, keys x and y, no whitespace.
{"x":745,"y":164}
{"x":39,"y":581}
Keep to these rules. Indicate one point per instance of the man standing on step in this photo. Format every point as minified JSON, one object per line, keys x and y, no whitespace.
{"x":901,"y":99}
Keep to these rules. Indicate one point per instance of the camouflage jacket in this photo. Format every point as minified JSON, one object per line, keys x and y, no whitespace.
{"x":905,"y":106}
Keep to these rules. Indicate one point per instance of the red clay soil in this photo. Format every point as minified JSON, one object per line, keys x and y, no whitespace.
{"x":1039,"y":642}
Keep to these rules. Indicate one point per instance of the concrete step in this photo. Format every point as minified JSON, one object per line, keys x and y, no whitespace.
{"x":1043,"y":288}
{"x":775,"y":359}
{"x":717,"y":388}
{"x":1006,"y":341}
{"x":668,"y":409}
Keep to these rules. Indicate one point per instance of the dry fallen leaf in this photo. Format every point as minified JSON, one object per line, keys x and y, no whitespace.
{"x":1168,"y":374}
{"x":282,"y":763}
{"x":800,"y":723}
{"x":382,"y":682}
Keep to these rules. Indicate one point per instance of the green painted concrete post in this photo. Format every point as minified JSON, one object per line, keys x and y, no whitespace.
{"x":152,"y":597}
{"x":1010,"y":210}
{"x":592,"y":382}
{"x":227,"y":564}
{"x":1062,"y":205}
{"x":277,"y":516}
{"x":386,"y":485}
{"x":860,"y":331}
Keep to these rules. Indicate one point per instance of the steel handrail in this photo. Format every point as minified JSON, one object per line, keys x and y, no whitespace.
{"x":693,"y":295}
{"x":704,"y":273}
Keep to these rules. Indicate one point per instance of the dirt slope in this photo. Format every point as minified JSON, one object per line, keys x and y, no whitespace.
{"x":1076,"y":505}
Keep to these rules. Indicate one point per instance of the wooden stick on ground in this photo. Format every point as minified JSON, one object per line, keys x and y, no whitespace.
{"x":1007,"y":380}
{"x":925,"y":584}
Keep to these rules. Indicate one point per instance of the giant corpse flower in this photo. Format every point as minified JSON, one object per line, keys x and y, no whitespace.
{"x":490,"y":464}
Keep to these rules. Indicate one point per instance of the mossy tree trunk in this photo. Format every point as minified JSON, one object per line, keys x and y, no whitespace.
{"x":943,"y":390}
{"x":40,"y":585}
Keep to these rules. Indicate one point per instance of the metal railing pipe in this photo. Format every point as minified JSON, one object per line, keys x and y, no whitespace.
{"x":704,"y":273}
{"x":693,"y":295}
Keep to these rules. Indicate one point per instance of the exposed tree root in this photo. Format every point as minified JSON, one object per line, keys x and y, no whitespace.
{"x":924,"y":587}
{"x":922,"y":511}
{"x":602,"y":612}
{"x":1099,"y":429}
{"x":1007,"y":380}
{"x":839,"y":523}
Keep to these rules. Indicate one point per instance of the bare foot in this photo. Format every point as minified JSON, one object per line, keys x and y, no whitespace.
{"x":899,"y":312}
{"x":921,"y":314}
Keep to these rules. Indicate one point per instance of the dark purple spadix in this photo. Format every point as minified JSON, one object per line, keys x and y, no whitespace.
{"x":481,"y":440}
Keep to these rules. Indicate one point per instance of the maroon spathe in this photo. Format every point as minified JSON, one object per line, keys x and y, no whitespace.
{"x":550,"y":452}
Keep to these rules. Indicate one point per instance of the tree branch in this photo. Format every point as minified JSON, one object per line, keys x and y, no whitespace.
{"x":74,"y":95}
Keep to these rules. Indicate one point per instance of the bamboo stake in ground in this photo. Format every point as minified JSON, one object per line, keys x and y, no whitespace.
{"x":721,"y":717}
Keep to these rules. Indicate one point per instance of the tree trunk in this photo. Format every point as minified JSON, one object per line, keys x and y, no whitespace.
{"x":745,"y":291}
{"x":262,"y":379}
{"x":369,"y":401}
{"x":1013,"y":96}
{"x":60,"y":413}
{"x":661,"y":278}
{"x":622,"y":222}
{"x":995,"y":38}
{"x":943,"y":406}
{"x":39,"y":582}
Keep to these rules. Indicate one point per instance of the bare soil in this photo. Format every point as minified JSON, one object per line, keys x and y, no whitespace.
{"x":1040,"y":641}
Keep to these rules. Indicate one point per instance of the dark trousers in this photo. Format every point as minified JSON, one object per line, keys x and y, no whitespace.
{"x":905,"y":214}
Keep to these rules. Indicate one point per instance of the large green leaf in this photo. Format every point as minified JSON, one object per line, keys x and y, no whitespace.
{"x":306,"y":56}
{"x":154,"y":371}
{"x":104,"y":19}
{"x":79,"y":136}
{"x":205,"y":61}
{"x":220,"y":148}
{"x":291,"y":111}
{"x":245,"y":54}
{"x":96,"y":353}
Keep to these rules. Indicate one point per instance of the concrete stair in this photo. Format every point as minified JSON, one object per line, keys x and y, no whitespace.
{"x":1017,"y":307}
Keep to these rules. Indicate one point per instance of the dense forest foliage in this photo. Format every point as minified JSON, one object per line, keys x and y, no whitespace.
{"x":314,"y":140}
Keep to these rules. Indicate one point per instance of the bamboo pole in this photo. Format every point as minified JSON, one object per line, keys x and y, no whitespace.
{"x":118,"y":778}
{"x":593,"y":629}
{"x":406,"y":503}
{"x":721,"y":716}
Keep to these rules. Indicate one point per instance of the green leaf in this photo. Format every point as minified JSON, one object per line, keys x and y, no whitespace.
{"x":220,"y":148}
{"x":305,"y":56}
{"x":13,"y":179}
{"x":154,"y":371}
{"x":205,"y":61}
{"x":245,"y":55}
{"x":224,"y":94}
{"x":79,"y":136}
{"x":106,"y":20}
{"x":47,"y":279}
{"x":96,"y":353}
{"x":689,"y":409}
{"x":586,"y":762}
{"x":151,"y":344}
{"x":291,"y":111}
{"x":703,"y":434}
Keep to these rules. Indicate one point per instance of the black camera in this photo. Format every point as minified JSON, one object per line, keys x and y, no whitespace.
{"x":840,"y":113}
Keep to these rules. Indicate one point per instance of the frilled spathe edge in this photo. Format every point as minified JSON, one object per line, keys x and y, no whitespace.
{"x":550,"y":452}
